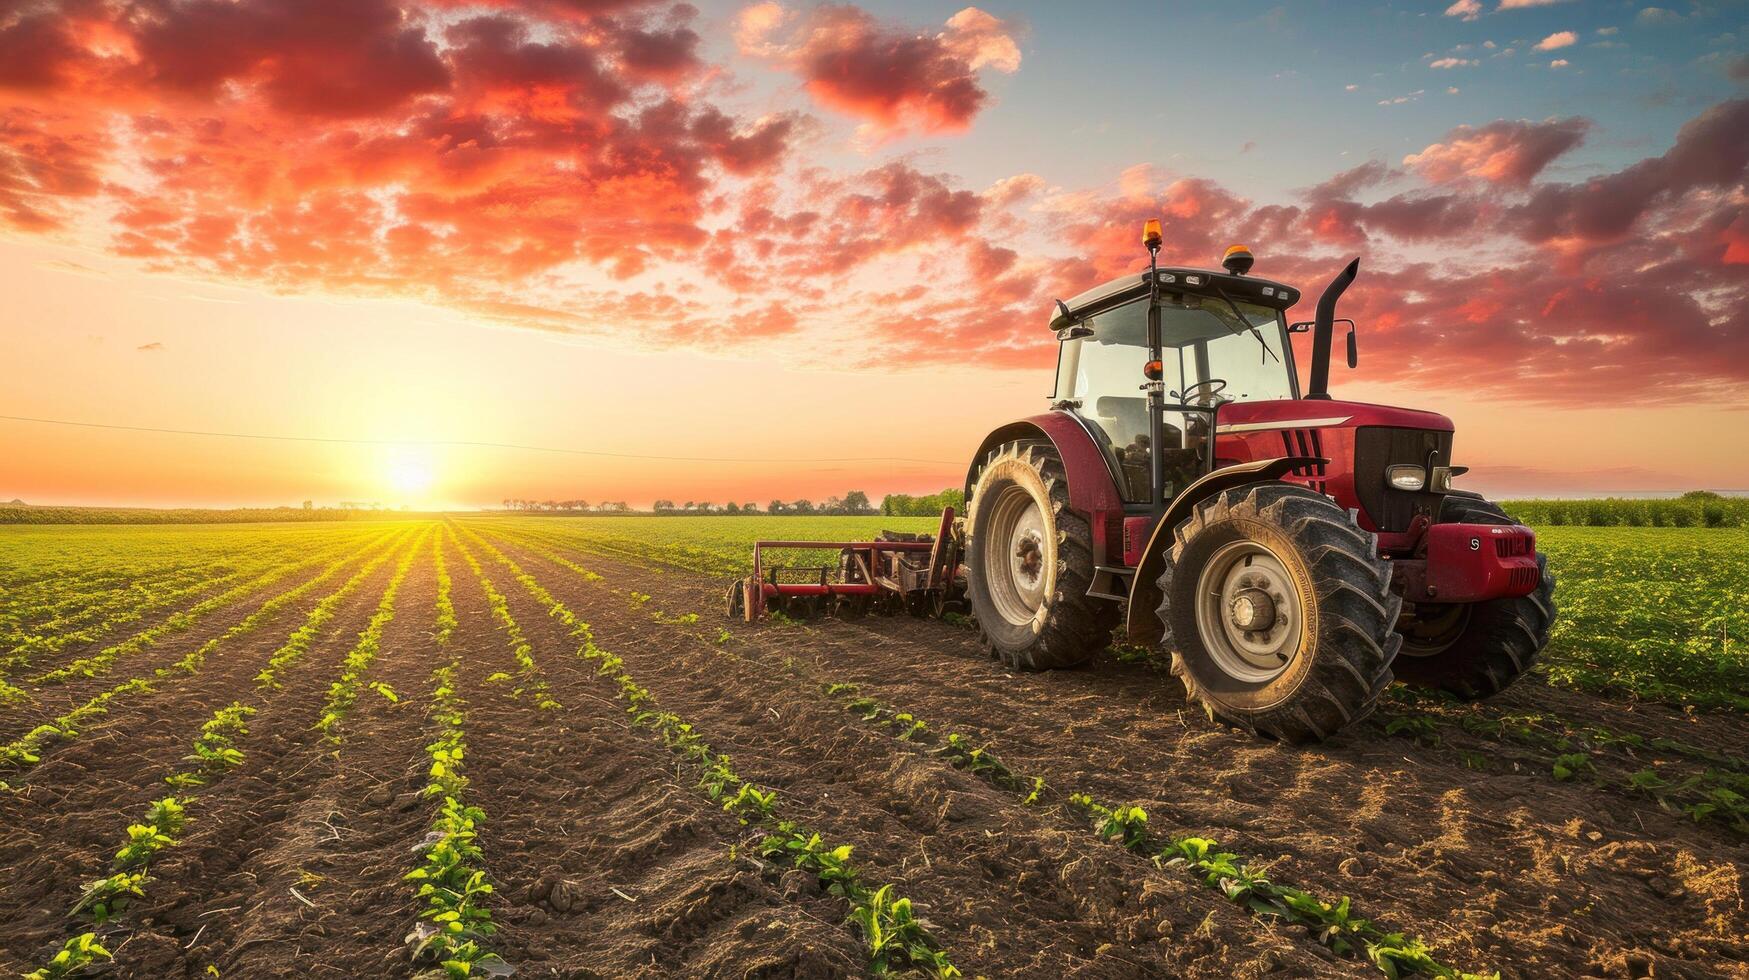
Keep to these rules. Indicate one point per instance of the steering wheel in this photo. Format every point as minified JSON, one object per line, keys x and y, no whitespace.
{"x":1214,"y":387}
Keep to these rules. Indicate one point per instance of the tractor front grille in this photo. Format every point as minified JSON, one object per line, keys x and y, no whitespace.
{"x":1377,"y":447}
{"x":1512,"y":546}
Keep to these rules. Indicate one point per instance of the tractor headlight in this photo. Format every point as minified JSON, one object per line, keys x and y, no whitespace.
{"x":1409,"y":476}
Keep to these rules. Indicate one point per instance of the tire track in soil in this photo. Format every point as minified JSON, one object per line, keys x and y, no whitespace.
{"x":578,"y":803}
{"x":338,"y":828}
{"x":1011,"y":891}
{"x":1494,"y":869}
{"x":52,"y":700}
{"x":69,"y":821}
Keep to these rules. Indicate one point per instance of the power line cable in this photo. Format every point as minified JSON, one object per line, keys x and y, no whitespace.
{"x":467,"y":443}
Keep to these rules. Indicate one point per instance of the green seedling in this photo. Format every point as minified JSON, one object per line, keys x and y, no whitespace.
{"x":1571,"y":764}
{"x":750,"y":797}
{"x":75,"y":957}
{"x":105,"y":898}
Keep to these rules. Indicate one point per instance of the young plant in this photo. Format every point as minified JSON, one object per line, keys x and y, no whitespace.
{"x":78,"y":954}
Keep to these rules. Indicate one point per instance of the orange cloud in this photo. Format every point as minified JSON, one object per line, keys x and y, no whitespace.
{"x":894,"y":80}
{"x":537,"y":162}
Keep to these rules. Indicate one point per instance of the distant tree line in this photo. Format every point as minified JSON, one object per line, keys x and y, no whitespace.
{"x":853,"y":503}
{"x":568,"y":506}
{"x":905,"y":505}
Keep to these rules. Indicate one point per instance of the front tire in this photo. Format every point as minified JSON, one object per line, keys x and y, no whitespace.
{"x":1475,"y":650}
{"x":1029,"y":560}
{"x":1278,"y":613}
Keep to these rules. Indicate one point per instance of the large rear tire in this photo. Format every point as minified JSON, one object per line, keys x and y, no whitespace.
{"x":1029,"y":559}
{"x":1278,"y":613}
{"x":1476,"y":650}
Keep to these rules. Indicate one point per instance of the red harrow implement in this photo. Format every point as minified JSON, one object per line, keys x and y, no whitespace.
{"x":915,"y":573}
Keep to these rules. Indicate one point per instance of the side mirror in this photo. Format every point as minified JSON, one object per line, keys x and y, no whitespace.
{"x":1353,"y":351}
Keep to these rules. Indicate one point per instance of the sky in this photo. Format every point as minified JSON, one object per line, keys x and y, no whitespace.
{"x":444,"y":253}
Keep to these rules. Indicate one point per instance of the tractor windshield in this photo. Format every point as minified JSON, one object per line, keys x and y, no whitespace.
{"x":1202,"y":338}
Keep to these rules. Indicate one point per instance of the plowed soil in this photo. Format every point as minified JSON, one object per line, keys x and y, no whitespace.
{"x":608,"y":861}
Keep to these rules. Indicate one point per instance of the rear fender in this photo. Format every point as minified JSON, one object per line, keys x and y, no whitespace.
{"x":1143,"y":626}
{"x":1092,"y":490}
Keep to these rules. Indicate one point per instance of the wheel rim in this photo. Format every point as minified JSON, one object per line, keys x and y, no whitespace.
{"x":1427,"y":636}
{"x":1248,"y":612}
{"x":1018,"y":556}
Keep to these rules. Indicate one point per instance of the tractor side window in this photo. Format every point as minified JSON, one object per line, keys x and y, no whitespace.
{"x":1104,"y":376}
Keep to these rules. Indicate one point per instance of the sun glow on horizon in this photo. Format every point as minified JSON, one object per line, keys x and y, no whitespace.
{"x":410,"y":473}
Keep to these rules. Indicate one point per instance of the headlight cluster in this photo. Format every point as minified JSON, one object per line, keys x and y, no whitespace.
{"x":1408,"y":476}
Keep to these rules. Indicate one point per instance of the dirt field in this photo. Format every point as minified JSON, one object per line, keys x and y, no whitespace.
{"x":610,"y":857}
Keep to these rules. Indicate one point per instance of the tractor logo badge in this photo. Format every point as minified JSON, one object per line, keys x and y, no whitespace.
{"x":1475,"y":544}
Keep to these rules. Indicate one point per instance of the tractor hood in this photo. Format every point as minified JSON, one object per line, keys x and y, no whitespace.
{"x":1320,"y":414}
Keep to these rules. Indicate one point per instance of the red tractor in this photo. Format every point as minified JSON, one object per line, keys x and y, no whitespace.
{"x":1292,"y":553}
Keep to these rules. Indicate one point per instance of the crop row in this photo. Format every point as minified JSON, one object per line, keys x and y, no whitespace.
{"x":451,"y":885}
{"x":112,"y":579}
{"x":343,"y":693}
{"x":24,"y":752}
{"x":101,"y":662}
{"x":528,"y":678}
{"x":1332,"y":923}
{"x":215,"y":753}
{"x":1718,"y":792}
{"x":34,"y":622}
{"x":713,"y":545}
{"x":298,"y":643}
{"x":96,"y":619}
{"x":887,"y":923}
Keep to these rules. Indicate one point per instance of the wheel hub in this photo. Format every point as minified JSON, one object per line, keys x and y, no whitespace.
{"x":1252,"y":610}
{"x":1028,"y":559}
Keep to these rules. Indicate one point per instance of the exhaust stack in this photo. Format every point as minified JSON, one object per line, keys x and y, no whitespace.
{"x":1323,"y":331}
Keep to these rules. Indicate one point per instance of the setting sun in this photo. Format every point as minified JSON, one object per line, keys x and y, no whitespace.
{"x":410,"y":472}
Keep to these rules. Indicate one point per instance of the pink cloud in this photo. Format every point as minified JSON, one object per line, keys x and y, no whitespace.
{"x":1502,"y":152}
{"x":894,"y":80}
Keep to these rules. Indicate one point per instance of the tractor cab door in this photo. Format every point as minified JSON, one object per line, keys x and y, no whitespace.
{"x":1100,"y":379}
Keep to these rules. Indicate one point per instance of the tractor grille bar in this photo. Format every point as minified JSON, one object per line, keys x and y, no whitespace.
{"x":1307,"y":442}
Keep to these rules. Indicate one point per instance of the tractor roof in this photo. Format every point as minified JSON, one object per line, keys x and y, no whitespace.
{"x":1123,"y":289}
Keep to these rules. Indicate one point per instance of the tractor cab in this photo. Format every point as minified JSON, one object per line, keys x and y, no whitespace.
{"x":1223,"y":339}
